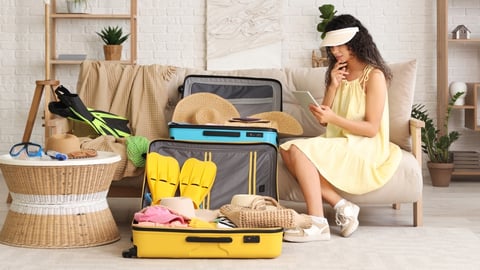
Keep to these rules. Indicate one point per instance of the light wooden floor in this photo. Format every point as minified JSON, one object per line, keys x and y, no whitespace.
{"x":449,"y":239}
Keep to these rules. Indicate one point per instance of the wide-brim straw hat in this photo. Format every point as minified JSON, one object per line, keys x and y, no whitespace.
{"x":339,"y":37}
{"x":204,"y":108}
{"x":286,"y":124}
{"x":180,"y":205}
{"x":185,"y":207}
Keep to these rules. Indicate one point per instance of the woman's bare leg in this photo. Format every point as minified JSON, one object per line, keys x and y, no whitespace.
{"x":329,"y":194}
{"x":308,"y":178}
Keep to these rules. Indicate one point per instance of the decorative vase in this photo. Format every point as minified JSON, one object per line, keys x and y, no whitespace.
{"x":76,"y":6}
{"x":319,"y":60}
{"x":112,"y":52}
{"x":456,"y":87}
{"x":323,"y":52}
{"x":440,"y":173}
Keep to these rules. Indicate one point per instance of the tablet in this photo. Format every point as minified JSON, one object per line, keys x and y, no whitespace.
{"x":305,"y":99}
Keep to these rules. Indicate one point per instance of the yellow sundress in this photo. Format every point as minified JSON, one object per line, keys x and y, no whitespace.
{"x":352,"y":163}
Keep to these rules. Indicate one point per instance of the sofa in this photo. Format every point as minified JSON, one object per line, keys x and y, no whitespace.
{"x":147,"y":95}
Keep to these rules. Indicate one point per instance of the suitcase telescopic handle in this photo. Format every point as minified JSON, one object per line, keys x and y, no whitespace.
{"x":197,"y":239}
{"x":216,"y":133}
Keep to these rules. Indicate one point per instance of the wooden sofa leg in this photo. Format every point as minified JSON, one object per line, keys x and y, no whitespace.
{"x":418,"y":213}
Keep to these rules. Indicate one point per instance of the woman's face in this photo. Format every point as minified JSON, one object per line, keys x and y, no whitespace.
{"x":341,"y":53}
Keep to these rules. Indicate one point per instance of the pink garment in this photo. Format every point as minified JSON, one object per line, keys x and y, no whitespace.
{"x":175,"y":224}
{"x":159,"y":214}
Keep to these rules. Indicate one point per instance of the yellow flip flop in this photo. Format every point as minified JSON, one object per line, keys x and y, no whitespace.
{"x":196,"y":179}
{"x":162,"y":176}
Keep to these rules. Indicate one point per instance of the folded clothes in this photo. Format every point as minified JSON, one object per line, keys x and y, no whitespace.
{"x":159,"y":214}
{"x":175,"y":224}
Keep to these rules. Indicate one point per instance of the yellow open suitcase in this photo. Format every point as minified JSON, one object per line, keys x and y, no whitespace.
{"x":179,"y":242}
{"x":155,"y":242}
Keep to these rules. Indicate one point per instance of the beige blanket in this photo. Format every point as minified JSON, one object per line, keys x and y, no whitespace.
{"x":132,"y":91}
{"x":139,"y":93}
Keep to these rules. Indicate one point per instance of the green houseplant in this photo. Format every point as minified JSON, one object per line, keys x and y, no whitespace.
{"x":113,"y":38}
{"x":437,"y":145}
{"x":327,"y":12}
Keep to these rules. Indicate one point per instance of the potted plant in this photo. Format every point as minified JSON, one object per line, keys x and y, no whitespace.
{"x":327,"y":12}
{"x":77,"y":6}
{"x":437,"y":145}
{"x":113,"y":39}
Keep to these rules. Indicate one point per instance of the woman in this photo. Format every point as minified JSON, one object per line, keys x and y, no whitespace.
{"x":354,"y":154}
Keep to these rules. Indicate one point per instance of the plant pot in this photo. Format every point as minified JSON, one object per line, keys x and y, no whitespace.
{"x":440,"y":173}
{"x":112,"y":52}
{"x":76,"y":6}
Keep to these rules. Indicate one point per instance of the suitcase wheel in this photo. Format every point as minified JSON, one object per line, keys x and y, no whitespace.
{"x":130,"y":253}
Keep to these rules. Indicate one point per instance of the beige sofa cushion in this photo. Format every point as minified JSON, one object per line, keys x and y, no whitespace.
{"x":400,"y":100}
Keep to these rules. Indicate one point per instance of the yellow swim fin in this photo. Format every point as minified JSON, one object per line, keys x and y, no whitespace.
{"x":162,"y":176}
{"x":196,"y":179}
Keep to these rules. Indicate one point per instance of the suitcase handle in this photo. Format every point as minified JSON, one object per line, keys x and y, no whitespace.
{"x":213,"y":133}
{"x":197,"y":239}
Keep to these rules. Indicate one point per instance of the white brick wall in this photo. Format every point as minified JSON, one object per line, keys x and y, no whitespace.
{"x":173,"y":32}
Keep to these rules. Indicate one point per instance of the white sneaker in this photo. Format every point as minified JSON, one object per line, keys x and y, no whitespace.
{"x":346,"y":217}
{"x":318,"y":232}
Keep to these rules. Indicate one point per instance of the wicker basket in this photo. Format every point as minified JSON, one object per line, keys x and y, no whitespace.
{"x":58,"y":204}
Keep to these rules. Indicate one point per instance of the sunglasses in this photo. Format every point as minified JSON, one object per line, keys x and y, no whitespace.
{"x":28,"y":148}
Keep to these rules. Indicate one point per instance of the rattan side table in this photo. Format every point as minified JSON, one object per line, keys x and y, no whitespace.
{"x":59,"y":204}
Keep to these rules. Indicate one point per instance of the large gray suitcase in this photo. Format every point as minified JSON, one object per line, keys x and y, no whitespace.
{"x":242,"y":168}
{"x":249,"y":95}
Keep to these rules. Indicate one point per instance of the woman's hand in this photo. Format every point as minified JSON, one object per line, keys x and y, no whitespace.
{"x":338,"y":73}
{"x":322,"y":113}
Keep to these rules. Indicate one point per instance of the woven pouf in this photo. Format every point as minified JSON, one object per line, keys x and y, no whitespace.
{"x":59,"y":204}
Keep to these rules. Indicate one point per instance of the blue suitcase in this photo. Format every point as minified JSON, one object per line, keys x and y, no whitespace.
{"x":214,"y":133}
{"x":249,"y":96}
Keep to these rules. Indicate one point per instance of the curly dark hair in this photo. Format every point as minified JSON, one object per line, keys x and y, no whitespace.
{"x":361,"y":45}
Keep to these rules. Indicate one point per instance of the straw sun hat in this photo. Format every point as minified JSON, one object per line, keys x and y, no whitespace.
{"x":204,"y":108}
{"x":208,"y":108}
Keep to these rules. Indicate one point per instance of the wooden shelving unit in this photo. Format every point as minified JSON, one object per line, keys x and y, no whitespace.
{"x":467,"y":163}
{"x":471,"y":109}
{"x":51,"y":18}
{"x":442,"y":59}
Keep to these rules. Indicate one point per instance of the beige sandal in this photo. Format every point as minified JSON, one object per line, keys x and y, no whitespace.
{"x":86,"y":153}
